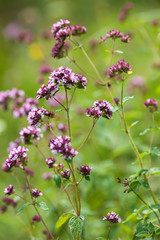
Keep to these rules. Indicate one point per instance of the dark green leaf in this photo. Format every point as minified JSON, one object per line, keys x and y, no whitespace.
{"x":156,"y":206}
{"x":76,"y":226}
{"x":151,"y":227}
{"x":87,"y":178}
{"x":67,"y":186}
{"x":142,"y":171}
{"x":154,"y":171}
{"x":145,"y":183}
{"x":63,"y":218}
{"x":157,"y":232}
{"x":68,"y":160}
{"x":42,"y":205}
{"x":135,"y":185}
{"x":57,"y":179}
{"x":23,"y":207}
{"x":142,"y":234}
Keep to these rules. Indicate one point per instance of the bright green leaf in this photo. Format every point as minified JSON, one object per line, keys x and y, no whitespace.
{"x":142,"y":234}
{"x":126,"y":99}
{"x":155,"y":151}
{"x":76,"y":226}
{"x":67,"y":186}
{"x":63,"y":218}
{"x":157,"y":232}
{"x":154,"y":171}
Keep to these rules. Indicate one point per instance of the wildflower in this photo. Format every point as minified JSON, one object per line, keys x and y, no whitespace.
{"x":119,"y":68}
{"x":78,"y":30}
{"x":13,"y":144}
{"x":62,"y":127}
{"x":9,"y":190}
{"x":85,"y":170}
{"x":25,"y":36}
{"x":116,"y":100}
{"x":125,"y":38}
{"x":36,"y":193}
{"x":114,"y":34}
{"x":100,"y":108}
{"x":50,"y":161}
{"x":29,"y":172}
{"x":112,"y":217}
{"x":81,"y":81}
{"x":44,"y":69}
{"x":9,"y":201}
{"x":29,"y":133}
{"x":36,"y":218}
{"x":63,"y":24}
{"x":62,"y":145}
{"x":151,"y":104}
{"x":47,"y":176}
{"x":65,"y":174}
{"x":3,"y":209}
{"x":36,"y":115}
{"x":22,"y":106}
{"x":124,"y":11}
{"x":47,"y":91}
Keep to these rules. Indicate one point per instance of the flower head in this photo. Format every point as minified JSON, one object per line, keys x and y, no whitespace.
{"x":65,"y":174}
{"x":119,"y":68}
{"x":112,"y":217}
{"x":50,"y":161}
{"x":114,"y":34}
{"x":62,"y":145}
{"x":100,"y":108}
{"x":85,"y":170}
{"x":9,"y":190}
{"x":36,"y":193}
{"x":151,"y":104}
{"x":78,"y":30}
{"x":36,"y":218}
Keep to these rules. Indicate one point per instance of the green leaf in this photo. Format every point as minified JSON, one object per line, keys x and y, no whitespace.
{"x":142,"y":156}
{"x":76,"y":226}
{"x":157,"y":232}
{"x":145,"y":183}
{"x":151,"y":227}
{"x":87,"y":178}
{"x":68,"y":160}
{"x":42,"y":205}
{"x":67,"y":186}
{"x":118,"y":51}
{"x":57,"y":179}
{"x":133,"y":124}
{"x":156,"y":206}
{"x":126,"y":99}
{"x":63,"y":218}
{"x":155,"y":151}
{"x":100,"y":238}
{"x":142,"y":234}
{"x":23,"y":207}
{"x":143,"y":171}
{"x":131,"y":216}
{"x":59,"y":110}
{"x":135,"y":185}
{"x":115,"y":109}
{"x":145,"y":131}
{"x":154,"y":171}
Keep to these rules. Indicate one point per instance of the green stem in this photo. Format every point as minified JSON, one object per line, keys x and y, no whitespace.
{"x":94,"y":122}
{"x":23,"y":198}
{"x":59,"y":103}
{"x":67,"y":110}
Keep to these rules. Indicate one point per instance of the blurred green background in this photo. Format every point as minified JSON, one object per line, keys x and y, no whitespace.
{"x":107,"y":150}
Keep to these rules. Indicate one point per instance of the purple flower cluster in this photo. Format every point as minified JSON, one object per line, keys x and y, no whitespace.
{"x":29,"y":171}
{"x":114,"y":34}
{"x":124,"y":11}
{"x":36,"y":115}
{"x":36,"y":193}
{"x":85,"y":170}
{"x":47,"y":175}
{"x":5,"y":96}
{"x":119,"y":68}
{"x":62,"y":127}
{"x":29,"y":133}
{"x":61,"y":30}
{"x":25,"y":36}
{"x":61,"y":77}
{"x":45,"y":69}
{"x":35,"y":218}
{"x":151,"y":104}
{"x":50,"y":161}
{"x":17,"y":157}
{"x":112,"y":217}
{"x":22,"y":106}
{"x":65,"y":174}
{"x":9,"y":190}
{"x":9,"y":201}
{"x":13,"y":144}
{"x":62,"y":145}
{"x":100,"y":108}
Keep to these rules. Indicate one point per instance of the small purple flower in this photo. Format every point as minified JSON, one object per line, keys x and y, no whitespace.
{"x":47,"y":175}
{"x":114,"y":34}
{"x":25,"y":36}
{"x":85,"y":170}
{"x":116,"y":100}
{"x":36,"y":115}
{"x":47,"y":91}
{"x":62,"y":127}
{"x":119,"y":68}
{"x":65,"y":174}
{"x":112,"y":217}
{"x":81,"y":81}
{"x":124,"y":11}
{"x":45,"y":69}
{"x":62,"y":24}
{"x":78,"y":30}
{"x":36,"y":193}
{"x":9,"y":190}
{"x":125,"y":38}
{"x":50,"y":161}
{"x":29,"y":172}
{"x":3,"y":209}
{"x":29,"y":133}
{"x":13,"y":144}
{"x":62,"y":145}
{"x":151,"y":104}
{"x":100,"y":108}
{"x":36,"y":218}
{"x":9,"y":201}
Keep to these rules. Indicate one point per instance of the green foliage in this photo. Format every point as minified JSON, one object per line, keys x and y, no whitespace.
{"x":42,"y":205}
{"x":76,"y":226}
{"x":23,"y":207}
{"x":57,"y":179}
{"x":63,"y":218}
{"x":126,"y":99}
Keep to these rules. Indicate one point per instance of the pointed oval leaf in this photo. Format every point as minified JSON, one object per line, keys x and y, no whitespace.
{"x":63,"y":218}
{"x":42,"y":205}
{"x":57,"y":179}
